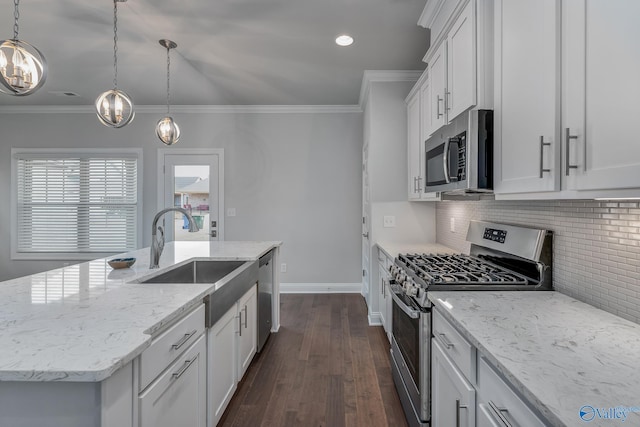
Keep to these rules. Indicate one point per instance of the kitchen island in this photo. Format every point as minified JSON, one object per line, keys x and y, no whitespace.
{"x":79,"y":326}
{"x":572,"y":363}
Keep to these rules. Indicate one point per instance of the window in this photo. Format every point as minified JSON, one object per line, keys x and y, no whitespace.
{"x":71,"y":205}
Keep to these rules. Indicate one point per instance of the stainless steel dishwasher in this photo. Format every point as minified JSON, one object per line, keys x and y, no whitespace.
{"x":265,"y":294}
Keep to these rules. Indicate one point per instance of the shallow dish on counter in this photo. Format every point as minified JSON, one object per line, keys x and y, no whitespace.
{"x":118,"y":263}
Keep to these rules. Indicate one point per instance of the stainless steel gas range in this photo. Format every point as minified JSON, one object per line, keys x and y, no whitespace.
{"x":502,"y":257}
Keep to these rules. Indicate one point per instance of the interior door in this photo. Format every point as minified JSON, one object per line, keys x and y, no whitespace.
{"x":193,"y":181}
{"x":366,"y":215}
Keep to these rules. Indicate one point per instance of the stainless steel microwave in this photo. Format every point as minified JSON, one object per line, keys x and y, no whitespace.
{"x":459,"y":156}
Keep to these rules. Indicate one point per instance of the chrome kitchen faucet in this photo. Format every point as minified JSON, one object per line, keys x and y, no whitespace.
{"x":157,"y":242}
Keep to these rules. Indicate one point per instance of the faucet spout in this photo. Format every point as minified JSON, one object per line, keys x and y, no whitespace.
{"x":157,"y":241}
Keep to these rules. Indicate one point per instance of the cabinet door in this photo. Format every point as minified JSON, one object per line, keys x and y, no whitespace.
{"x":413,"y":147}
{"x":461,"y":64}
{"x":222,"y":358}
{"x":437,"y":87}
{"x":601,"y":65}
{"x":527,"y":96}
{"x":247,"y":335}
{"x":178,"y":397}
{"x":425,"y":112}
{"x":453,"y":398}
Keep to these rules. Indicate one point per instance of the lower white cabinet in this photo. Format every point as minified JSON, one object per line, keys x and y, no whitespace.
{"x":453,"y":398}
{"x":178,"y":396}
{"x":247,"y":330}
{"x":498,"y":403}
{"x":231,"y":347}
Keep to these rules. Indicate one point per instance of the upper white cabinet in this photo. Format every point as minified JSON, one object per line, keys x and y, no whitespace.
{"x":461,"y":64}
{"x":414,"y":146}
{"x":438,"y":88}
{"x":527,"y":96}
{"x":566,"y":98}
{"x":452,"y":66}
{"x":601,"y":93}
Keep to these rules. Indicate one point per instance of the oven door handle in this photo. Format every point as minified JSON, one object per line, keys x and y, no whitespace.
{"x":414,"y":314}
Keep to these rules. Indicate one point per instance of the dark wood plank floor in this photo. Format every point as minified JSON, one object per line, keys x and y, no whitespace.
{"x":326,"y":367}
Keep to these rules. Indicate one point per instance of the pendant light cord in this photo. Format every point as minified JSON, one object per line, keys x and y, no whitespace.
{"x":168,"y":77}
{"x":16,"y":16}
{"x":115,"y":44}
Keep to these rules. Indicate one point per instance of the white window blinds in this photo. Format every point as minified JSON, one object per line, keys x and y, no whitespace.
{"x":69,"y":203}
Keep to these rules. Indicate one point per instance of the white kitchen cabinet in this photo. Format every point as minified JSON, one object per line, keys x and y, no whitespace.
{"x":527,"y":96}
{"x":414,"y":144}
{"x":248,"y":331}
{"x":452,"y":71}
{"x":418,"y":120}
{"x":178,"y":396}
{"x":452,"y":396}
{"x":601,"y":65}
{"x":498,"y":403}
{"x":231,"y":346}
{"x":437,"y":88}
{"x":223,"y":360}
{"x":460,"y":92}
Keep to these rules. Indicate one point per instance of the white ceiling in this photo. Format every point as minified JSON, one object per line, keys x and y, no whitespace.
{"x":230,"y":52}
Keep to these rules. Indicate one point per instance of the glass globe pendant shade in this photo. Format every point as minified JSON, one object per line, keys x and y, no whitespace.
{"x":23,"y":69}
{"x":168,"y":131}
{"x":114,"y":108}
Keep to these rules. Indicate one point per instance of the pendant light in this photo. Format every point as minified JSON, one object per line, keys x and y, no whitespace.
{"x":23,"y":69}
{"x":167,"y":129}
{"x":114,"y":107}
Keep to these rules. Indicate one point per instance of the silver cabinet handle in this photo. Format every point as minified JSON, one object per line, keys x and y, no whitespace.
{"x":445,"y":161}
{"x":458,"y":407}
{"x":438,"y":101}
{"x":184,"y":368}
{"x":246,"y":321}
{"x":419,"y":184}
{"x":183,"y":340}
{"x":445,"y":340}
{"x":415,"y":183}
{"x":446,"y":100}
{"x":542,"y":145}
{"x":568,"y":137}
{"x":240,"y":324}
{"x":502,"y":415}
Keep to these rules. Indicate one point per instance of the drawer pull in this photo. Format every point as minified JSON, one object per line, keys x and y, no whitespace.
{"x":458,"y":407}
{"x":446,"y":341}
{"x":502,"y":415}
{"x":184,"y":368}
{"x":183,"y":340}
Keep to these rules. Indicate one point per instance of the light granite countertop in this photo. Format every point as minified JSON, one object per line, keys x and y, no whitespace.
{"x":85,"y":321}
{"x":394,"y":249}
{"x":559,"y":353}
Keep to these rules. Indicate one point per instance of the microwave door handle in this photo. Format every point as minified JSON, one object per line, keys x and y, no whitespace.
{"x":445,"y":161}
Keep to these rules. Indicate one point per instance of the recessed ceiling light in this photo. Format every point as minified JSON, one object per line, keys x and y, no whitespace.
{"x":344,"y":40}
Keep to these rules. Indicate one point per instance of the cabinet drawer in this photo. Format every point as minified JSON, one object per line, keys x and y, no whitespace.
{"x":461,"y":352}
{"x":500,"y":403}
{"x":169,"y":345}
{"x":178,"y":396}
{"x":383,"y":259}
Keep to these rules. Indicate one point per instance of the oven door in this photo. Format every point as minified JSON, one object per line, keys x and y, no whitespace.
{"x":410,"y":351}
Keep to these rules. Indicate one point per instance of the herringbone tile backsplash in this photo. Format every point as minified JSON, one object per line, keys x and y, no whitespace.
{"x":596,"y":246}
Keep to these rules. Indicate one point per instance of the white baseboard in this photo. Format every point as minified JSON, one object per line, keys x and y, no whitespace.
{"x":375,"y":319}
{"x":320,"y":288}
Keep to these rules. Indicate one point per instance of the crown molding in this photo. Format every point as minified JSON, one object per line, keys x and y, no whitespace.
{"x":430,"y":12}
{"x":191,"y":109}
{"x":371,"y":76}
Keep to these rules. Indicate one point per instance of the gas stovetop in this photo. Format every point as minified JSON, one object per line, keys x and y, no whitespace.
{"x":503,"y":257}
{"x":457,"y":269}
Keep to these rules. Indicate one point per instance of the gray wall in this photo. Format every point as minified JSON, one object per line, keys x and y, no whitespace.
{"x":596,"y":244}
{"x":294,"y":177}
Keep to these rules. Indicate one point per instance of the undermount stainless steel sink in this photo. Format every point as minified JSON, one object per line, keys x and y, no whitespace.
{"x":230,"y":280}
{"x":196,"y":272}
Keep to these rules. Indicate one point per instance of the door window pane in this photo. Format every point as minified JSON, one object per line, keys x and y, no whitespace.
{"x":191,"y":191}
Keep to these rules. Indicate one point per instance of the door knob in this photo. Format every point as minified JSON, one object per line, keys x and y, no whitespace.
{"x":365,"y":235}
